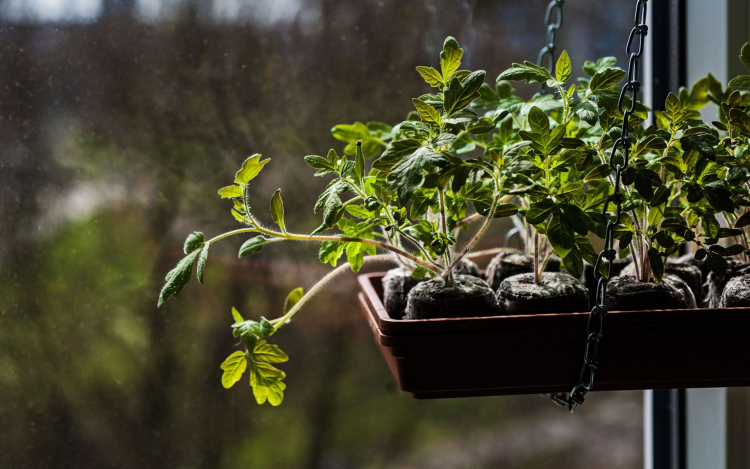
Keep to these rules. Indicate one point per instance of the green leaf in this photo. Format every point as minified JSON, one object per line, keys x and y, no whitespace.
{"x":506,"y":210}
{"x":672,"y":108}
{"x":717,"y":264}
{"x":461,"y":94}
{"x":252,"y":246}
{"x":428,"y":113}
{"x":350,"y":132}
{"x":355,"y":254}
{"x":419,"y":272}
{"x":605,"y":62}
{"x":359,"y":163}
{"x":277,"y":210}
{"x":587,"y":112}
{"x":573,"y":262}
{"x":742,"y":81}
{"x":657,"y":264}
{"x":561,"y":234}
{"x":450,"y":58}
{"x":527,"y":71}
{"x":743,"y":220}
{"x":267,"y":383}
{"x":292,"y":298}
{"x":408,"y":175}
{"x":230,"y":192}
{"x":250,"y":168}
{"x":237,"y":316}
{"x":745,"y":55}
{"x":330,"y":252}
{"x":233,"y":367}
{"x":539,"y":211}
{"x":606,"y":78}
{"x":195,"y":240}
{"x":431,"y":76}
{"x":177,"y":278}
{"x":322,"y":164}
{"x":397,"y":152}
{"x":268,"y":353}
{"x":563,"y":69}
{"x":202,"y":263}
{"x":599,"y":172}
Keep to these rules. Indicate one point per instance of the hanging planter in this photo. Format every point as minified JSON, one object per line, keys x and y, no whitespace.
{"x":535,"y":354}
{"x":565,"y":167}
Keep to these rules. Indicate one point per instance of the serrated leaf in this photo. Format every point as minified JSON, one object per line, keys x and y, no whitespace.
{"x":431,"y":76}
{"x":563,"y":69}
{"x":250,"y":168}
{"x":408,"y":175}
{"x":195,"y":240}
{"x":230,"y":192}
{"x":292,"y":298}
{"x":277,"y":210}
{"x":178,"y":277}
{"x":450,"y":58}
{"x":234,"y":366}
{"x":202,"y":263}
{"x":395,"y":153}
{"x":267,"y":383}
{"x":426,"y":112}
{"x":252,"y":246}
{"x":461,"y":94}
{"x":268,"y":353}
{"x":330,"y":252}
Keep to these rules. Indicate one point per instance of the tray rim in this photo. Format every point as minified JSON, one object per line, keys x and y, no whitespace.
{"x":387,"y":326}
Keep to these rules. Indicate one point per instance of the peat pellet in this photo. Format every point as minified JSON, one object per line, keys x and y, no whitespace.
{"x":690,"y":259}
{"x":626,"y":293}
{"x":397,"y":284}
{"x":689,"y":273}
{"x":736,"y":293}
{"x":510,"y":263}
{"x":467,"y":267}
{"x":716,"y":285}
{"x":558,"y":292}
{"x":470,"y":297}
{"x":590,"y":282}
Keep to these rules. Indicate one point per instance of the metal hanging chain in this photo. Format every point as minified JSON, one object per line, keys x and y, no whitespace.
{"x":595,"y":323}
{"x":549,"y":48}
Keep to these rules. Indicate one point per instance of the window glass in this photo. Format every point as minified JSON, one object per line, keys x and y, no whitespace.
{"x":119,"y":120}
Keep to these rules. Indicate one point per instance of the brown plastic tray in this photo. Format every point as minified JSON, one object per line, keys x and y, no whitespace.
{"x":501,"y":355}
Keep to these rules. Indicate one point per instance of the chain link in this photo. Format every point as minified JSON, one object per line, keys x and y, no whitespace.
{"x":595,"y":325}
{"x":555,"y":6}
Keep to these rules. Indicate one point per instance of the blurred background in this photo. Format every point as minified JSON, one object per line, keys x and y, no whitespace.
{"x":119,"y":120}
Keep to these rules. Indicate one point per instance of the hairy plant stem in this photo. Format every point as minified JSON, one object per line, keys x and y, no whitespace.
{"x":537,"y":277}
{"x":484,"y":226}
{"x":278,"y":322}
{"x":299,"y":237}
{"x":444,"y":227}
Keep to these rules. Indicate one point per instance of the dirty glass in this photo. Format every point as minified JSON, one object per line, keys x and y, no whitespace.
{"x":119,"y":119}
